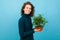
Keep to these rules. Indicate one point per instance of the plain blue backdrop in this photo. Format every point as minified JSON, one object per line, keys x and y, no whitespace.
{"x":10,"y":13}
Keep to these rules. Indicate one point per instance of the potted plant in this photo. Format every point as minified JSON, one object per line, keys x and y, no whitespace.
{"x":39,"y":22}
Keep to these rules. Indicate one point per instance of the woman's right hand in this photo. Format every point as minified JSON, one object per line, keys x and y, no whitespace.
{"x":37,"y":30}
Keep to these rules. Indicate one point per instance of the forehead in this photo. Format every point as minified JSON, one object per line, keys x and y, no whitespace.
{"x":28,"y":5}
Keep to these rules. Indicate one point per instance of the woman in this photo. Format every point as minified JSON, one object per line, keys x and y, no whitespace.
{"x":25,"y":24}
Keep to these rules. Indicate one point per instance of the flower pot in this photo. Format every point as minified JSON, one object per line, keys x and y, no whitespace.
{"x":39,"y":27}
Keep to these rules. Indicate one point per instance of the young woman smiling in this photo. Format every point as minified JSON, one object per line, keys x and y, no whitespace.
{"x":25,"y":24}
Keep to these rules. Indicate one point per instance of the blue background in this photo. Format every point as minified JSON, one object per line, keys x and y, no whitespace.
{"x":10,"y":13}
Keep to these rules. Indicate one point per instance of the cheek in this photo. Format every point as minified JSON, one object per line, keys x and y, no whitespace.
{"x":30,"y":10}
{"x":25,"y":10}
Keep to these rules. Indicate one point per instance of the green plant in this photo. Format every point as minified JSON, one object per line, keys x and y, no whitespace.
{"x":39,"y":21}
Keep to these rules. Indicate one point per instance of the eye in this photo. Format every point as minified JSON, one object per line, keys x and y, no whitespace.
{"x":29,"y":8}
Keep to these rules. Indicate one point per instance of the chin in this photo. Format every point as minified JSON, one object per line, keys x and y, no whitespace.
{"x":28,"y":13}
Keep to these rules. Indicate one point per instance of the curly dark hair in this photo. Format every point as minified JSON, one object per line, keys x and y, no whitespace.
{"x":32,"y":8}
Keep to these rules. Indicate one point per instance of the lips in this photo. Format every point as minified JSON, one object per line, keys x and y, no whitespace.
{"x":28,"y":11}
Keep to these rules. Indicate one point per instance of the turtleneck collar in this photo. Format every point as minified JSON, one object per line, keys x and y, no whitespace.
{"x":26,"y":15}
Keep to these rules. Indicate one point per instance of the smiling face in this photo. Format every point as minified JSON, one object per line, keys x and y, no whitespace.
{"x":27,"y":9}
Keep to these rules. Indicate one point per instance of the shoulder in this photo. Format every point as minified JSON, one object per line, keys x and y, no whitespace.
{"x":22,"y":19}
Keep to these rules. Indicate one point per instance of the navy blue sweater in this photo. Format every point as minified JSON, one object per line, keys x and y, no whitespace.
{"x":25,"y":27}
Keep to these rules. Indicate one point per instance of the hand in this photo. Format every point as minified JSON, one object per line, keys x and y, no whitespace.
{"x":37,"y":30}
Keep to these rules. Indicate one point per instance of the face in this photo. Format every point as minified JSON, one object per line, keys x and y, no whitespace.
{"x":27,"y":9}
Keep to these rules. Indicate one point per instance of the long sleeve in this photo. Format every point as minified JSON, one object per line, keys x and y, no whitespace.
{"x":22,"y":27}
